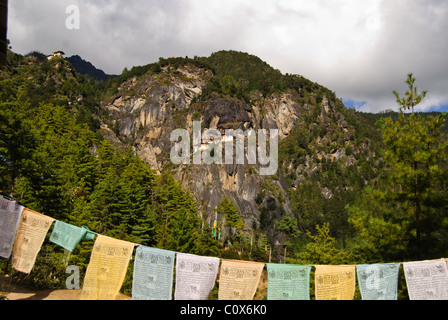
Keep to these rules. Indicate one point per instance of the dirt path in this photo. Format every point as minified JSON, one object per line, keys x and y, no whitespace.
{"x":14,"y":292}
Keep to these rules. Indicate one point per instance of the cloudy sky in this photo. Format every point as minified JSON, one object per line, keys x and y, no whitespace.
{"x":362,"y":50}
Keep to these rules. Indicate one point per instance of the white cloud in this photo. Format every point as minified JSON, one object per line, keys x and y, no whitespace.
{"x":362,"y":50}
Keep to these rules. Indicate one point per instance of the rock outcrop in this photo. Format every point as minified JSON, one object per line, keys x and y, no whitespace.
{"x":147,"y":109}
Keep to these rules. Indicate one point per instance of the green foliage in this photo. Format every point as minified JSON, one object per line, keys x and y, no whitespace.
{"x":111,"y":191}
{"x":380,"y":233}
{"x":412,"y":98}
{"x":306,"y":159}
{"x":15,"y":141}
{"x":112,"y":84}
{"x":227,"y":209}
{"x":389,"y":204}
{"x":237,"y":74}
{"x":416,"y":164}
{"x":54,"y":162}
{"x":410,"y":201}
{"x":322,"y":249}
{"x":231,"y":213}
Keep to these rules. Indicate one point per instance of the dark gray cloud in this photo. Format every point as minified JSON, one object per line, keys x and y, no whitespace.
{"x":362,"y":50}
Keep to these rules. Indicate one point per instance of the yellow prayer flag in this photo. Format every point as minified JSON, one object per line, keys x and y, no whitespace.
{"x":107,"y":269}
{"x":239,"y":279}
{"x":30,"y":236}
{"x":335,"y":282}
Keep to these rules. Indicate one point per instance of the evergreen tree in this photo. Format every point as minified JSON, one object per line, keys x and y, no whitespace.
{"x":137,"y":181}
{"x":412,"y":97}
{"x":107,"y":206}
{"x":16,"y":143}
{"x":178,"y":222}
{"x":227,"y":209}
{"x":414,"y":181}
{"x":322,"y":249}
{"x":184,"y":229}
{"x":206,"y":244}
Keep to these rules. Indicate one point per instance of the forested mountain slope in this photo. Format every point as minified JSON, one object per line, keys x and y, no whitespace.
{"x":97,"y":153}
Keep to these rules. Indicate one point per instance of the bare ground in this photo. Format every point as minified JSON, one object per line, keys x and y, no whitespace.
{"x":12,"y":291}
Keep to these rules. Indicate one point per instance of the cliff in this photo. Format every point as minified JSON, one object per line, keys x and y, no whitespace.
{"x":146,"y":108}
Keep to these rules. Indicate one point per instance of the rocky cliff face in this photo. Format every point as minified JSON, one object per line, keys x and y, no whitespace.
{"x":148,"y":108}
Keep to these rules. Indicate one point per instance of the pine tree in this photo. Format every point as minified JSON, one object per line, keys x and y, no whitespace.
{"x":107,"y":206}
{"x":184,"y":229}
{"x":322,"y":249}
{"x":227,"y":209}
{"x":414,"y":183}
{"x":206,"y":244}
{"x":412,"y":97}
{"x":16,"y":143}
{"x":137,"y":182}
{"x":177,"y":214}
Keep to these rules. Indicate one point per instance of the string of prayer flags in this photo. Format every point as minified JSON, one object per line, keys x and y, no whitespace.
{"x":23,"y":231}
{"x":195,"y":276}
{"x":30,"y":236}
{"x":10,"y":214}
{"x":107,"y":268}
{"x":335,"y":282}
{"x":153,"y":274}
{"x":288,"y":281}
{"x":378,"y":281}
{"x":239,"y":279}
{"x":427,"y":280}
{"x":68,"y":236}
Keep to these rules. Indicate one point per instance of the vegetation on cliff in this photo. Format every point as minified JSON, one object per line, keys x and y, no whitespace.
{"x":373,"y":187}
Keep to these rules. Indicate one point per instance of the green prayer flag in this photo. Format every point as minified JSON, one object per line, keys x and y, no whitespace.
{"x":288,"y":281}
{"x":378,"y":281}
{"x":68,"y":236}
{"x":153,"y":274}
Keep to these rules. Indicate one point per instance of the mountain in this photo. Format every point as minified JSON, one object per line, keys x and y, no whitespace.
{"x":100,"y":154}
{"x":87,"y":68}
{"x":328,"y":153}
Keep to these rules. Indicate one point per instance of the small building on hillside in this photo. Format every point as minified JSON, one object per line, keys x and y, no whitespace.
{"x":56,"y":54}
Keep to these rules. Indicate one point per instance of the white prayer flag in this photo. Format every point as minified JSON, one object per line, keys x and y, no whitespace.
{"x":10,"y":213}
{"x":427,"y":280}
{"x":195,"y":276}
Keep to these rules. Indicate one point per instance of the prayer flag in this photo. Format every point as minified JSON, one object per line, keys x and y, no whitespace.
{"x":153,"y":274}
{"x":239,"y":279}
{"x":335,"y":282}
{"x":195,"y":276}
{"x":427,"y":280}
{"x":288,"y":281}
{"x":10,"y":213}
{"x":30,"y":236}
{"x":378,"y":281}
{"x":107,"y":268}
{"x":68,"y":236}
